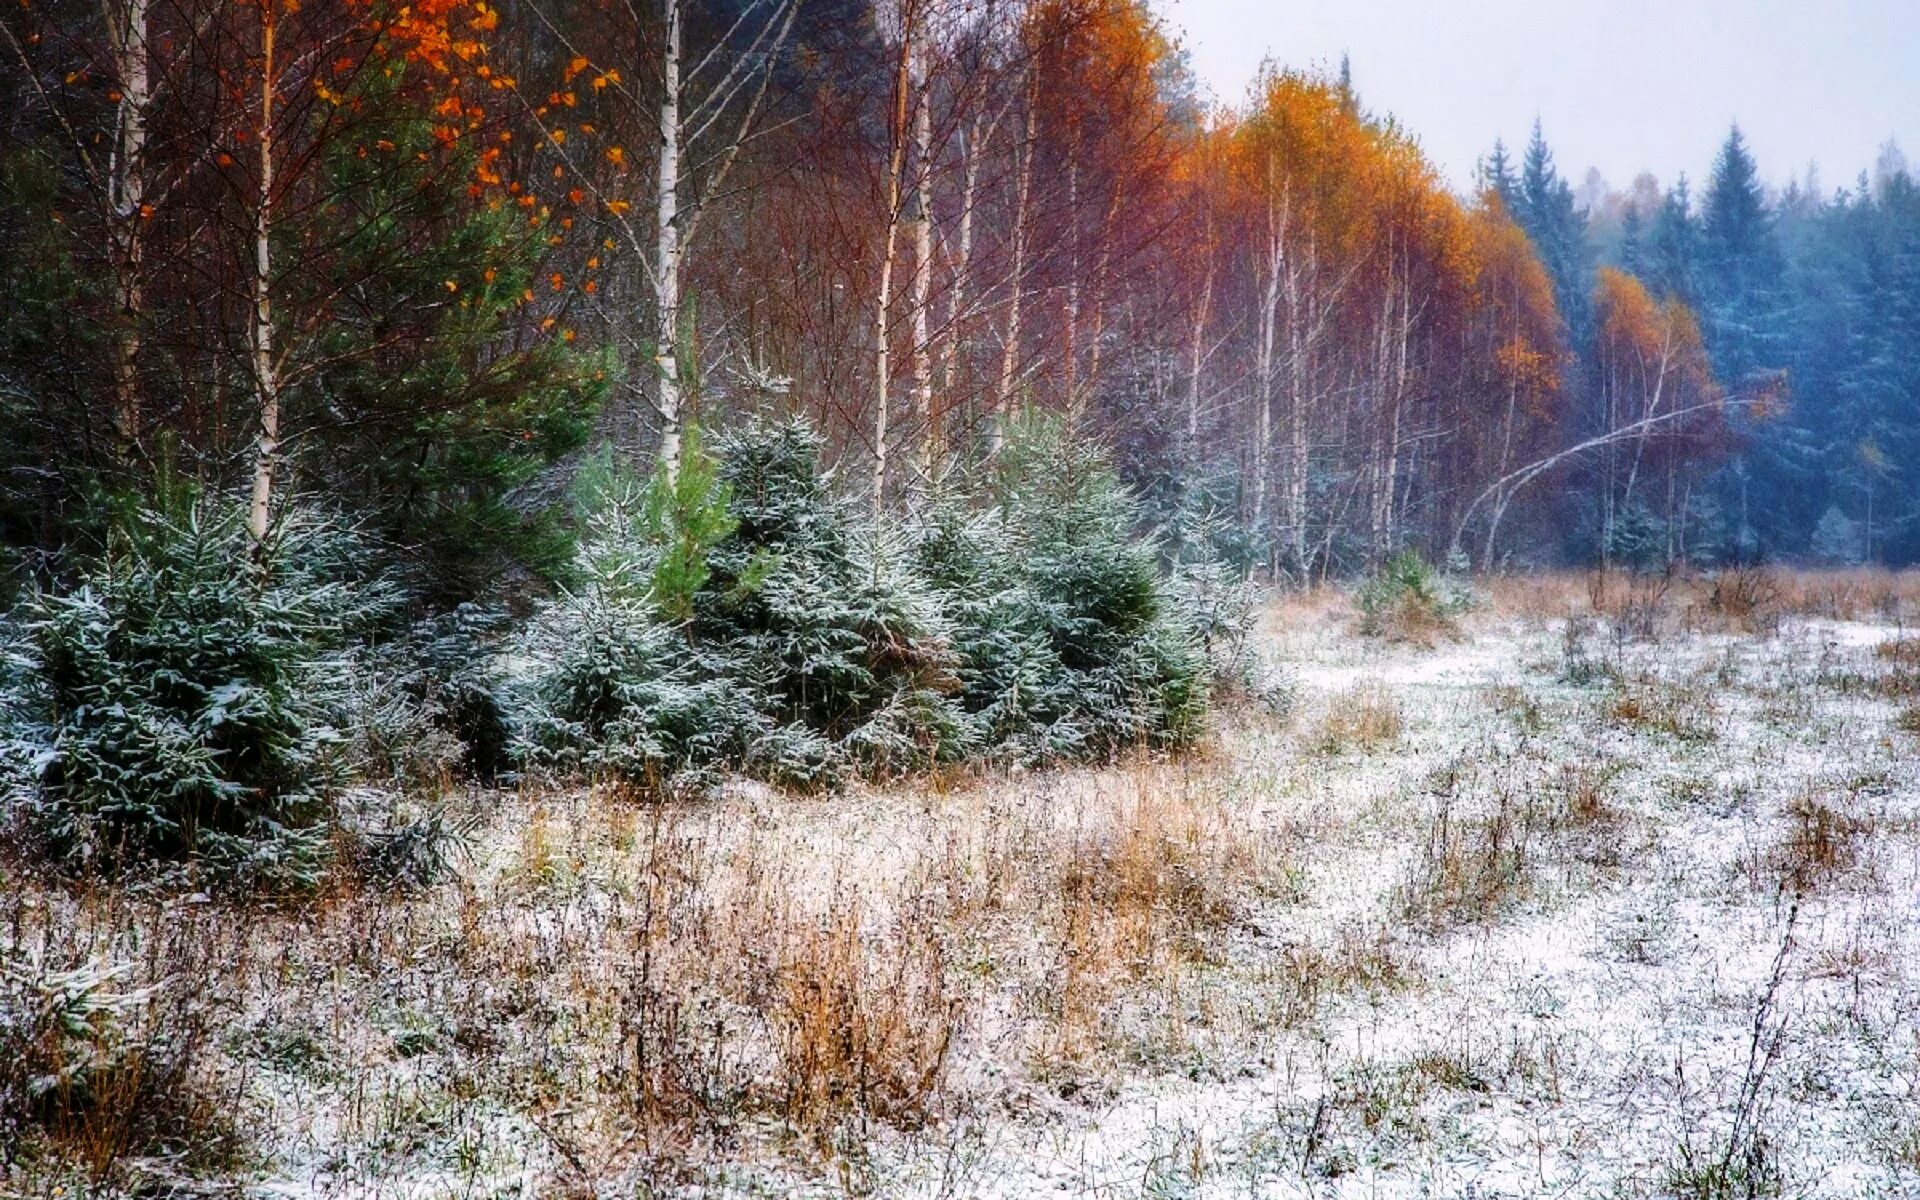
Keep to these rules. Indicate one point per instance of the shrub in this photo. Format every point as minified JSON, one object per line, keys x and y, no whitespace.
{"x":1007,"y":669}
{"x":733,"y":617}
{"x":186,"y":698}
{"x":100,"y":1071}
{"x":841,"y":638}
{"x":1407,"y":600}
{"x":1218,"y":601}
{"x":1069,"y":644}
{"x":615,"y":690}
{"x":429,"y":706}
{"x":1745,"y":598}
{"x":741,"y":617}
{"x":615,"y":694}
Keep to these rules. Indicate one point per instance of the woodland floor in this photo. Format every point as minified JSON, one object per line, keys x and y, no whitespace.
{"x":1616,"y":904}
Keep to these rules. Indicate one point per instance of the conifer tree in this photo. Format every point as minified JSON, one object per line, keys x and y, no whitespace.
{"x":1673,"y":246}
{"x":1633,"y":248}
{"x":1558,"y":230}
{"x":1740,"y":266}
{"x":1496,"y":176}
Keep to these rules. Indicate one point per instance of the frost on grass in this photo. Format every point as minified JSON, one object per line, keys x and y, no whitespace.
{"x":1469,"y":921}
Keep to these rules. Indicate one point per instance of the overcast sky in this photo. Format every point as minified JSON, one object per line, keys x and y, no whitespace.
{"x":1622,"y":85}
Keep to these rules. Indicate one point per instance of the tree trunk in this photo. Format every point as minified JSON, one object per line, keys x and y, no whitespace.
{"x":1070,"y":352}
{"x":1097,"y":323}
{"x":1196,"y":348}
{"x":883,"y":294}
{"x":1263,"y":364}
{"x":1295,"y":493}
{"x":922,"y":288}
{"x":948,"y":352}
{"x":266,"y":381}
{"x":127,"y":35}
{"x":1010,"y":347}
{"x":666,"y":259}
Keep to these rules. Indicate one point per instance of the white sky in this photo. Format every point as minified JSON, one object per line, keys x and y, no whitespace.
{"x":1622,"y":85}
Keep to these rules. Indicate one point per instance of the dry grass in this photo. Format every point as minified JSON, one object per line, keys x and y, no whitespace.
{"x":1899,"y":678}
{"x":1856,"y":594}
{"x":1321,"y":604}
{"x":1741,"y":599}
{"x":609,"y":993}
{"x":104,"y":1049}
{"x":1822,"y":842}
{"x":1736,"y":599}
{"x":1495,"y":836}
{"x":1471,"y":867}
{"x":865,"y":1024}
{"x":1901,"y":652}
{"x":1137,"y":900}
{"x":1364,"y":719}
{"x":1517,"y":705}
{"x":1635,"y":604}
{"x":1362,"y":960}
{"x":1685,"y":712}
{"x":1539,"y":597}
{"x":653,"y":987}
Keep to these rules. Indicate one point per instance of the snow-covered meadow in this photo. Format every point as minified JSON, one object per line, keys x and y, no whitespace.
{"x":1606,"y":895}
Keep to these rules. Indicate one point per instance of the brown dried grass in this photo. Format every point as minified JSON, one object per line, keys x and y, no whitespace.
{"x":1364,"y":719}
{"x":1736,"y":599}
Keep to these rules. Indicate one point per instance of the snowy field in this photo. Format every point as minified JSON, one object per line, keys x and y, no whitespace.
{"x":1614,"y":904}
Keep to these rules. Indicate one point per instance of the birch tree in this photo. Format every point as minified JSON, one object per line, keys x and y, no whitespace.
{"x":707,"y":113}
{"x":266,"y":368}
{"x":899,"y":105}
{"x":129,"y":38}
{"x":699,"y":96}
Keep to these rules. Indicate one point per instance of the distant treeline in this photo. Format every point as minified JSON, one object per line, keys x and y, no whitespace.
{"x":421,"y":258}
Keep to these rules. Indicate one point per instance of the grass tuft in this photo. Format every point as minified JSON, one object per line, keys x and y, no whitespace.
{"x":1364,"y":719}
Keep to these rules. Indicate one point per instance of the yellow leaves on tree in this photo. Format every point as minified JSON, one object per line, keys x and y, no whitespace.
{"x":1653,"y":364}
{"x":1515,"y":310}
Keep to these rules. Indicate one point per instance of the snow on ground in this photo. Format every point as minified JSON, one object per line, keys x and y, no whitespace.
{"x":1604,"y":1036}
{"x":1527,"y":913}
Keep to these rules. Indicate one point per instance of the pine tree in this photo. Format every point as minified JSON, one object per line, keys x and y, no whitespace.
{"x":1633,"y":250}
{"x":1746,"y":323}
{"x":1740,"y":266}
{"x":1735,"y":224}
{"x":431,"y":410}
{"x":1877,"y":434}
{"x":1673,"y":247}
{"x":186,"y":699}
{"x":1496,"y":176}
{"x":1559,"y":232}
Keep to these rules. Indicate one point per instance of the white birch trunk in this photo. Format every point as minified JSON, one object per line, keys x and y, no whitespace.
{"x":666,"y":259}
{"x":1196,"y":343}
{"x":1096,"y":339}
{"x":959,"y":291}
{"x":266,"y":381}
{"x":883,"y":294}
{"x":1294,"y":484}
{"x":1277,"y":217}
{"x":1071,"y":323}
{"x":127,"y":35}
{"x":922,"y":286}
{"x":1010,"y":347}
